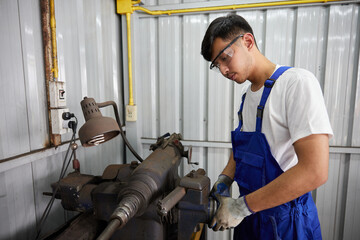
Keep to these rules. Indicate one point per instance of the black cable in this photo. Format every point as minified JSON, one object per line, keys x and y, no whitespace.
{"x":50,"y":204}
{"x":62,"y":174}
{"x":129,"y":146}
{"x":104,"y":104}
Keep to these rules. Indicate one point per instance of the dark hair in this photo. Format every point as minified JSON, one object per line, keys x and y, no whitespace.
{"x":226,"y":28}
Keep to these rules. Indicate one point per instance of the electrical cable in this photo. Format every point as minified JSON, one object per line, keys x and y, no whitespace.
{"x":117,"y":116}
{"x":129,"y":146}
{"x":62,"y":174}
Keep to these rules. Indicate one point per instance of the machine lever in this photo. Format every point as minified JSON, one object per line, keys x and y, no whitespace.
{"x":166,"y":204}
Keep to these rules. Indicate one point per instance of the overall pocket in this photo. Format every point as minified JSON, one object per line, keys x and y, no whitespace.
{"x":249,"y":173}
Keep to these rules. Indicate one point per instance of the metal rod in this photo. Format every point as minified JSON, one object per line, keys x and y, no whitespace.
{"x":109,"y":230}
{"x":166,"y":204}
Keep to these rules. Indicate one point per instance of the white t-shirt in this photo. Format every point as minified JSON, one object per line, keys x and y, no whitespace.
{"x":294,"y":109}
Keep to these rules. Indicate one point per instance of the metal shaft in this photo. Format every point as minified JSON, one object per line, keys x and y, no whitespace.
{"x":171,"y":200}
{"x":109,"y":230}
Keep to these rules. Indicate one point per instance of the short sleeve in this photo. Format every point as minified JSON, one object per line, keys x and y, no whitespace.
{"x":305,"y":107}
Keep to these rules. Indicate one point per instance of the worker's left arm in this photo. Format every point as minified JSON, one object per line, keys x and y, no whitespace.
{"x":310,"y":172}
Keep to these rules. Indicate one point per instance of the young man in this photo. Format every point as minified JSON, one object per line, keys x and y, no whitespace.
{"x":281,"y":147}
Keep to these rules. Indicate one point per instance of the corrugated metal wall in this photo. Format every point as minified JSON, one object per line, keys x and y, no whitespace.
{"x":89,"y":55}
{"x":176,"y":92}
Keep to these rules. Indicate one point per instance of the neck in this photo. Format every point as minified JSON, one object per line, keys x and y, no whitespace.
{"x":261,"y":72}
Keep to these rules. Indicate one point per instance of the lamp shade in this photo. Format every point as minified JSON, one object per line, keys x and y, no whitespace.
{"x":97,"y":129}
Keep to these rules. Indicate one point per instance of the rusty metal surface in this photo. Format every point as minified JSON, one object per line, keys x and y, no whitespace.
{"x":75,"y":191}
{"x":113,"y":170}
{"x":128,"y":196}
{"x":199,"y":175}
{"x":166,"y":204}
{"x":85,"y":226}
{"x":55,"y":139}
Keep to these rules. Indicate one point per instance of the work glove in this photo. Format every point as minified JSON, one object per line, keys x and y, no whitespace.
{"x":230,"y":213}
{"x":221,"y":187}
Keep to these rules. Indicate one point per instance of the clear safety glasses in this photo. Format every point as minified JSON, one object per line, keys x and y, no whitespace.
{"x":224,"y":57}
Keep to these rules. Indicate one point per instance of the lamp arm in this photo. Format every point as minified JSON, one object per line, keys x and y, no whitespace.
{"x":104,"y":104}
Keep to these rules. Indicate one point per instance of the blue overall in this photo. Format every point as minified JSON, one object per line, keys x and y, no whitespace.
{"x":256,"y":167}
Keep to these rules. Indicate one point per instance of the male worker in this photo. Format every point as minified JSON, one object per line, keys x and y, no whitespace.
{"x":281,"y":146}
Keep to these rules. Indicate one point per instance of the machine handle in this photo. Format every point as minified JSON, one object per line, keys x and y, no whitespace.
{"x":166,"y":204}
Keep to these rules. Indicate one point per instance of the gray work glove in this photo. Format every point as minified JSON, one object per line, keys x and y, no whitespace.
{"x":230,"y":213}
{"x":221,"y":186}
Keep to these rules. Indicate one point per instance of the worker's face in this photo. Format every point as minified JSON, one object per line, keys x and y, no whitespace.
{"x":232,"y":58}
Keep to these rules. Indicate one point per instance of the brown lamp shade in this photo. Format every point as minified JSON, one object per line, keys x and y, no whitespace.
{"x":97,"y":129}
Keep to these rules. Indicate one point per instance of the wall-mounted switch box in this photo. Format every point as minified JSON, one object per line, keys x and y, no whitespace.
{"x":58,"y":124}
{"x":131,"y":114}
{"x":57,"y":93}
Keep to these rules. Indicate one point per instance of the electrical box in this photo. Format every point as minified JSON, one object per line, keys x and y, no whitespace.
{"x":58,"y":124}
{"x":131,"y":115}
{"x":124,"y":6}
{"x":57,"y":93}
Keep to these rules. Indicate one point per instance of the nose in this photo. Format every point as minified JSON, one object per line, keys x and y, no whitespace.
{"x":224,"y":69}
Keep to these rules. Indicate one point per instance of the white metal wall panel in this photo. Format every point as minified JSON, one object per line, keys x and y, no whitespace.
{"x":89,"y":56}
{"x":45,"y":172}
{"x":149,"y":107}
{"x":194,"y":89}
{"x":31,"y":42}
{"x":88,"y":39}
{"x":339,"y":69}
{"x":14,"y":134}
{"x":195,"y":84}
{"x":352,"y":212}
{"x":322,"y":39}
{"x":332,"y":198}
{"x":310,"y":40}
{"x":279,"y":36}
{"x":17,"y":218}
{"x":329,"y":198}
{"x":169,"y":74}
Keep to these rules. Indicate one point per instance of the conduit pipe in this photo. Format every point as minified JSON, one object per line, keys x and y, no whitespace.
{"x":230,"y":7}
{"x":128,"y":28}
{"x":55,"y":68}
{"x":48,"y":34}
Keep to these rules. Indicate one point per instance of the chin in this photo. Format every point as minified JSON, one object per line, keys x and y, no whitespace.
{"x":239,"y":81}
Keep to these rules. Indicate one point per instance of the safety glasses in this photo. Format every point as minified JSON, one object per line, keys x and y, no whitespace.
{"x":224,"y":57}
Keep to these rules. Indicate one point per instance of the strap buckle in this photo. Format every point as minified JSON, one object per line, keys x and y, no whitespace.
{"x":260,"y":111}
{"x":269,"y":83}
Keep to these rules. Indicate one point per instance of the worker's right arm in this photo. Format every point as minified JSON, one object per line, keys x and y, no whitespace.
{"x":223,"y":183}
{"x":229,"y":170}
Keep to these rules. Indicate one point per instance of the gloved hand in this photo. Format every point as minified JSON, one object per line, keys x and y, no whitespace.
{"x":230,"y":213}
{"x":221,"y":186}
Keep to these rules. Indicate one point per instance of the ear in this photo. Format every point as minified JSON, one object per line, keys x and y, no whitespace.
{"x":249,"y":40}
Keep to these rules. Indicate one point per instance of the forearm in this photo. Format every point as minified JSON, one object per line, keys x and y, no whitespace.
{"x":307,"y":175}
{"x":288,"y":186}
{"x":229,"y":169}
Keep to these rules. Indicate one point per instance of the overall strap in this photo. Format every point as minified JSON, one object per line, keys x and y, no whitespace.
{"x":240,"y":111}
{"x":269,"y":83}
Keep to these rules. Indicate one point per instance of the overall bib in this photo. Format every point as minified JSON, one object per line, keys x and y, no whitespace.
{"x":256,"y":167}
